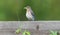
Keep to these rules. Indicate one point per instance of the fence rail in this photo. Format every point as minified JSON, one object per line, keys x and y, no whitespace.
{"x":9,"y":27}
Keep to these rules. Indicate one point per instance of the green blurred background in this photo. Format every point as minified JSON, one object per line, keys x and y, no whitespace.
{"x":13,"y":10}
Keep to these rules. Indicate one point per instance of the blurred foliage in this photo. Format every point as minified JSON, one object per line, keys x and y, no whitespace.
{"x":53,"y":33}
{"x":13,"y":10}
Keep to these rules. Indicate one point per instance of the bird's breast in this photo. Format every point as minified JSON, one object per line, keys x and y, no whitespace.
{"x":28,"y":15}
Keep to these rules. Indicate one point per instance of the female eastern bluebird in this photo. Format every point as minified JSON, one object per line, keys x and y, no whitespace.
{"x":29,"y":13}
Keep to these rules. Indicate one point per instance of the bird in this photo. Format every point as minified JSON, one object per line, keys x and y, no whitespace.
{"x":29,"y":13}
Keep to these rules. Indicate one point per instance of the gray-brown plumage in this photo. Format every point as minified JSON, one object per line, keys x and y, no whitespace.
{"x":29,"y":13}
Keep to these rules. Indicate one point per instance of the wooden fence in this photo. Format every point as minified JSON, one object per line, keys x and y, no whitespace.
{"x":9,"y":27}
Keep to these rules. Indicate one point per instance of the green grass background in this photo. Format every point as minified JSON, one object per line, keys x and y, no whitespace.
{"x":13,"y":10}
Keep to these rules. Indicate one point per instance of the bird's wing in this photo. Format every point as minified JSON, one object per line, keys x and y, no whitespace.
{"x":32,"y":14}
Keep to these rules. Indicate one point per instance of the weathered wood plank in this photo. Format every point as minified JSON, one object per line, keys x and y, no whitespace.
{"x":9,"y":27}
{"x":30,"y":25}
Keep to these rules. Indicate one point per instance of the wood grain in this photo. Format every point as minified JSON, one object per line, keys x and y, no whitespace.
{"x":9,"y":27}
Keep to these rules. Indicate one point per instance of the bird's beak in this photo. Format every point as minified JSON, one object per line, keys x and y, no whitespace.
{"x":24,"y":7}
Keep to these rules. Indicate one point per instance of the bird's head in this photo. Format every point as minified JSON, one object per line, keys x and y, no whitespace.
{"x":27,"y":7}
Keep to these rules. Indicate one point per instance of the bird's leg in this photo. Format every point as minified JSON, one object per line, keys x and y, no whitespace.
{"x":29,"y":19}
